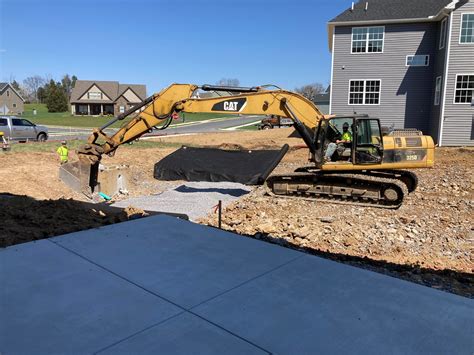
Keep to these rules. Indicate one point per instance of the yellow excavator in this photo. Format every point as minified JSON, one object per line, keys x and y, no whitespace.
{"x":367,"y":171}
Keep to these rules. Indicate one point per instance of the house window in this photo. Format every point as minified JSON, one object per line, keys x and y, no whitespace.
{"x":364,"y":92}
{"x":94,"y":95}
{"x":442,"y":33}
{"x":14,"y":105}
{"x":82,"y":109}
{"x":467,"y":29}
{"x":418,"y":60}
{"x":122,"y":109}
{"x":464,"y":88}
{"x":367,"y":39}
{"x":437,"y":91}
{"x":8,"y":93}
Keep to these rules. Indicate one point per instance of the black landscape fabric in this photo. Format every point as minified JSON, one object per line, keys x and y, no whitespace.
{"x":250,"y":167}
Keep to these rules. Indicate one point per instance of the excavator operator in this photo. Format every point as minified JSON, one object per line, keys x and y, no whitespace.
{"x":341,"y":144}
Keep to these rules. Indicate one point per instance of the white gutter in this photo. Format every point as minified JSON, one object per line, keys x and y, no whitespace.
{"x":445,"y":78}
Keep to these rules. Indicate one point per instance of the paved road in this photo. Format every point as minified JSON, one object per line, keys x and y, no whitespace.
{"x":214,"y":125}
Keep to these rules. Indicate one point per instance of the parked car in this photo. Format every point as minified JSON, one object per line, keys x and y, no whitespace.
{"x":275,"y":121}
{"x":20,"y":129}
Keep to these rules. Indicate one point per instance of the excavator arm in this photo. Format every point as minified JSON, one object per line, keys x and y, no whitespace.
{"x":159,"y":110}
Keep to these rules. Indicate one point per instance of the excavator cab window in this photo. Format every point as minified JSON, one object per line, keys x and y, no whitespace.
{"x":332,"y":130}
{"x":368,"y":142}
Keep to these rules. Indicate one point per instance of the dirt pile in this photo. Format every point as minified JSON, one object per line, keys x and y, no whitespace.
{"x":433,"y":230}
{"x":25,"y":219}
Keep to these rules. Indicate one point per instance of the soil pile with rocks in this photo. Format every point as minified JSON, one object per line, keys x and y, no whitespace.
{"x":430,"y":238}
{"x":25,"y":219}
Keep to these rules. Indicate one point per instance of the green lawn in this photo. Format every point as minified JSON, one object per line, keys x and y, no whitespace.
{"x":66,"y":119}
{"x":74,"y":144}
{"x":249,"y":128}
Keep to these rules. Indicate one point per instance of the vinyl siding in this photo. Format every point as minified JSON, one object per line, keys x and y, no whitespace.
{"x":406,"y":92}
{"x":458,"y":118}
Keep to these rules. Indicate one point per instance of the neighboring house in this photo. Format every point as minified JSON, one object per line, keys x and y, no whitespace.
{"x":105,"y":97}
{"x":323,"y":100}
{"x":11,"y":102}
{"x":410,"y":63}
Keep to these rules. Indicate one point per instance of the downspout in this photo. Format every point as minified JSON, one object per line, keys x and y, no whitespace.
{"x":445,"y":79}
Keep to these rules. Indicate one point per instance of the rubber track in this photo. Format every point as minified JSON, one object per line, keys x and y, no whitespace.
{"x":368,"y":181}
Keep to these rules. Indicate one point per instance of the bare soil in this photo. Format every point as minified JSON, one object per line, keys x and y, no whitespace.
{"x":428,"y":240}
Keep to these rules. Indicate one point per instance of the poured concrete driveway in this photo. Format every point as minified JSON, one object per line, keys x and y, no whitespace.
{"x":163,"y":285}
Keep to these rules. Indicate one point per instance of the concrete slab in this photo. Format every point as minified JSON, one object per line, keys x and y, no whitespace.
{"x":54,"y":302}
{"x":106,"y":289}
{"x":185,"y":334}
{"x":313,"y":305}
{"x":183,"y":262}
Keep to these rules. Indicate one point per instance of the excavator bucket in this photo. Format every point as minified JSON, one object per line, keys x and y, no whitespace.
{"x":81,"y":176}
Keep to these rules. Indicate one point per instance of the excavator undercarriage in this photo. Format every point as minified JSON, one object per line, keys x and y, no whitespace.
{"x":369,"y":188}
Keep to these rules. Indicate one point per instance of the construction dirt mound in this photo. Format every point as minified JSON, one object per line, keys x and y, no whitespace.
{"x":24,"y":219}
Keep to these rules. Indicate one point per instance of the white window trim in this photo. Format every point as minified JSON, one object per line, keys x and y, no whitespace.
{"x":460,"y":29}
{"x":444,"y":21}
{"x":364,"y":92}
{"x":95,"y":92}
{"x":454,"y":96}
{"x":367,"y":40}
{"x":437,"y":98}
{"x":412,"y":55}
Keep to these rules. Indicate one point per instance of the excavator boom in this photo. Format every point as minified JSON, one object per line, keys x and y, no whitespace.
{"x":159,"y":109}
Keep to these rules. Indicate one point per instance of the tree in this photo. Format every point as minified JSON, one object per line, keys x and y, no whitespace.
{"x":56,"y":100}
{"x":311,"y":90}
{"x":31,"y":85}
{"x":68,"y":83}
{"x":228,"y":82}
{"x":42,"y":94}
{"x":15,"y":85}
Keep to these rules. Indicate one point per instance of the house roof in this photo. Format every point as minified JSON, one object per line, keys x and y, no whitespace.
{"x":3,"y":87}
{"x":112,"y":89}
{"x":391,"y":10}
{"x":139,"y":90}
{"x":367,"y":12}
{"x":322,"y":98}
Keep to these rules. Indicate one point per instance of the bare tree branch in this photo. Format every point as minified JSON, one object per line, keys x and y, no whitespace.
{"x":311,"y":90}
{"x":31,"y":85}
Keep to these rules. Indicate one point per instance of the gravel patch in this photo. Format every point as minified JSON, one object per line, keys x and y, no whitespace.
{"x":195,"y":199}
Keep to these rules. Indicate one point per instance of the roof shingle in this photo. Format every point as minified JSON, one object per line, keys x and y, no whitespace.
{"x":391,"y":10}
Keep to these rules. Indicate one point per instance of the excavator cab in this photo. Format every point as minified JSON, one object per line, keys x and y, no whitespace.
{"x":366,"y":146}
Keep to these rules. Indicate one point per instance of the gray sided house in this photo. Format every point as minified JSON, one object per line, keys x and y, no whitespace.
{"x":409,"y":63}
{"x":105,"y":97}
{"x":11,"y":102}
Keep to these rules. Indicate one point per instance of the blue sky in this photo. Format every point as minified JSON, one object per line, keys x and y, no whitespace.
{"x":160,"y":42}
